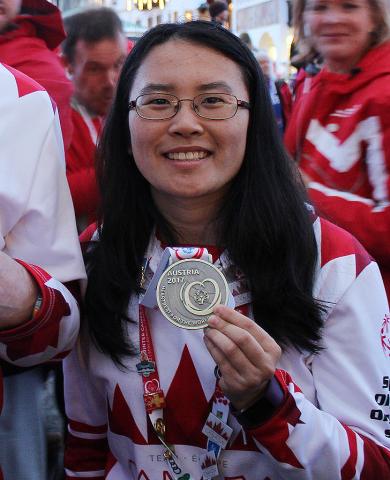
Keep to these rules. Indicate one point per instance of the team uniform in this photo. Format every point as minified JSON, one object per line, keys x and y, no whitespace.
{"x":340,"y":135}
{"x":36,"y":228}
{"x":332,"y":423}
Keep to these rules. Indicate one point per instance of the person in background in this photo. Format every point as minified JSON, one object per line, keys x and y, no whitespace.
{"x":203,"y":12}
{"x":244,"y":37}
{"x":286,"y":385}
{"x":219,"y":12}
{"x":339,"y":132}
{"x":279,"y":91}
{"x":30,"y":33}
{"x":39,"y":249}
{"x":93,"y":54}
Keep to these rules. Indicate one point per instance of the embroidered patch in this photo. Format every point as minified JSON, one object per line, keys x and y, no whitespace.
{"x":385,"y":335}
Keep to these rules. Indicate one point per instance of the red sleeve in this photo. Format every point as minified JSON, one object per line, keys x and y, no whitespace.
{"x":368,"y":219}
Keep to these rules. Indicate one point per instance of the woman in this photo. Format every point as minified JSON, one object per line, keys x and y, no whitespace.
{"x":190,"y":156}
{"x":340,"y":129}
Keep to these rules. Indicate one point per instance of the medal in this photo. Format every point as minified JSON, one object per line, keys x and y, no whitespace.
{"x":188,"y":291}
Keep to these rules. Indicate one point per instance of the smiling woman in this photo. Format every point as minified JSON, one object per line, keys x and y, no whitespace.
{"x":339,"y":132}
{"x":203,"y":211}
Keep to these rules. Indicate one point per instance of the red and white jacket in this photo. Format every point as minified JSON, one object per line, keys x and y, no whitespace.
{"x":334,"y":422}
{"x":30,"y":45}
{"x":339,"y":133}
{"x":37,"y":225}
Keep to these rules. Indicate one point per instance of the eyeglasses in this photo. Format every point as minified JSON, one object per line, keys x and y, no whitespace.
{"x":161,"y":106}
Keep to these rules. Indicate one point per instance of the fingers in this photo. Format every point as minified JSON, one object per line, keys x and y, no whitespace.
{"x":244,"y":333}
{"x":246,"y":355}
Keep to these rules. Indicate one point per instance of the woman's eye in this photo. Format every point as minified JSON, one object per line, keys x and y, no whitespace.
{"x":212,"y":100}
{"x":350,"y":6}
{"x":316,"y":6}
{"x":158,"y":101}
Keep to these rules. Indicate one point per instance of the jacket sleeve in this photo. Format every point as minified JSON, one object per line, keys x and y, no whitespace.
{"x":368,"y":219}
{"x":37,"y":224}
{"x":86,"y":453}
{"x":347,"y":434}
{"x":50,"y":335}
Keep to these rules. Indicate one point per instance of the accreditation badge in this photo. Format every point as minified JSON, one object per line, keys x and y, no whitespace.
{"x":188,"y":291}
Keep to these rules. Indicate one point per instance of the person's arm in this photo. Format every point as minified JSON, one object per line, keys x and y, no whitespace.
{"x":347,"y":431}
{"x":368,"y":219}
{"x":18,"y":293}
{"x":37,"y":227}
{"x":348,"y":434}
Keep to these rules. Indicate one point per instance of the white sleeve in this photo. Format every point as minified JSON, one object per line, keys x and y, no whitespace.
{"x":348,"y":434}
{"x":37,"y":222}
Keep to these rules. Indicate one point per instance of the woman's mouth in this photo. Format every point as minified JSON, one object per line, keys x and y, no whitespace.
{"x":194,"y":155}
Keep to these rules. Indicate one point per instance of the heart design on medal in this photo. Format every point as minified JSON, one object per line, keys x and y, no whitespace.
{"x":184,"y":477}
{"x":151,"y":386}
{"x":199,"y":292}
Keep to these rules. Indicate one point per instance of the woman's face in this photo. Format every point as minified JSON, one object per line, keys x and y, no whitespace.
{"x":188,"y":156}
{"x":341,"y":31}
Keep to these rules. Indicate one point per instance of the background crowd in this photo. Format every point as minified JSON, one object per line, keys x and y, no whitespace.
{"x":59,"y":81}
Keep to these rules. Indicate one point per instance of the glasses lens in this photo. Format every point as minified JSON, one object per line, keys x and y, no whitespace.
{"x":217,"y":106}
{"x":156,"y":106}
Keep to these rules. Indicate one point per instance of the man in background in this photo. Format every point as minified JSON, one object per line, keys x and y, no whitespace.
{"x":279,"y":91}
{"x":219,"y":13}
{"x":93,"y":54}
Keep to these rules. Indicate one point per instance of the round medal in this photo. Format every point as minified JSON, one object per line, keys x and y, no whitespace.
{"x":188,"y":291}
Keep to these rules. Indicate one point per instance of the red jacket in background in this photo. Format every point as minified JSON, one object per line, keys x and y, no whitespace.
{"x":339,"y":133}
{"x":80,"y":168}
{"x":29,"y":46}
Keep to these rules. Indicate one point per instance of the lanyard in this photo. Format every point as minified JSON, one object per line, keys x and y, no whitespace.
{"x":154,"y":398}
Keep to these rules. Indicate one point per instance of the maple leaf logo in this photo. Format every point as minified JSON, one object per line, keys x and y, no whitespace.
{"x":218,"y":428}
{"x":385,"y":335}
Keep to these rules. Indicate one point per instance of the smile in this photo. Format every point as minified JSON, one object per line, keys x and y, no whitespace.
{"x":196,"y":155}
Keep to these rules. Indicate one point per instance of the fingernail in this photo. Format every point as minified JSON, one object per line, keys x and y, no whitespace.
{"x":212,"y":321}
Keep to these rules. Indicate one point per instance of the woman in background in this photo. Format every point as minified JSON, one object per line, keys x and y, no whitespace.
{"x":339,"y":132}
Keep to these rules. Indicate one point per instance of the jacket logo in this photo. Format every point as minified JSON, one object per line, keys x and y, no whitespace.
{"x":347,"y":112}
{"x":342,"y":155}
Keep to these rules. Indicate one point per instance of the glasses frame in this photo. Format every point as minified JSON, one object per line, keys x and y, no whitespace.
{"x":239,"y":104}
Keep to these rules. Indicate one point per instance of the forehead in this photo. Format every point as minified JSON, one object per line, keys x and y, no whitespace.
{"x":105,"y":50}
{"x":185,"y":66}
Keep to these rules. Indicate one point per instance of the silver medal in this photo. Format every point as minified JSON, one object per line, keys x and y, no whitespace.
{"x":188,"y":291}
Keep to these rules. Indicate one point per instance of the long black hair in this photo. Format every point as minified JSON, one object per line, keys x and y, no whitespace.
{"x":263,"y":223}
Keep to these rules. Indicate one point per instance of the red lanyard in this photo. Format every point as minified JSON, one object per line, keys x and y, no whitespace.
{"x":153,"y":394}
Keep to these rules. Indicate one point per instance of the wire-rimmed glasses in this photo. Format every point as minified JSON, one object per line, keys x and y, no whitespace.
{"x":162,"y":106}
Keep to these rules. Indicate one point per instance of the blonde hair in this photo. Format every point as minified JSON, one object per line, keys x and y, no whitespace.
{"x":306,"y":51}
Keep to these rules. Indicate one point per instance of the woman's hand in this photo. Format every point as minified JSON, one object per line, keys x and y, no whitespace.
{"x":245,"y":353}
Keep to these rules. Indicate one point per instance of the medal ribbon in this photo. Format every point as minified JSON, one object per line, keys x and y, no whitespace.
{"x":185,"y":253}
{"x":154,"y":398}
